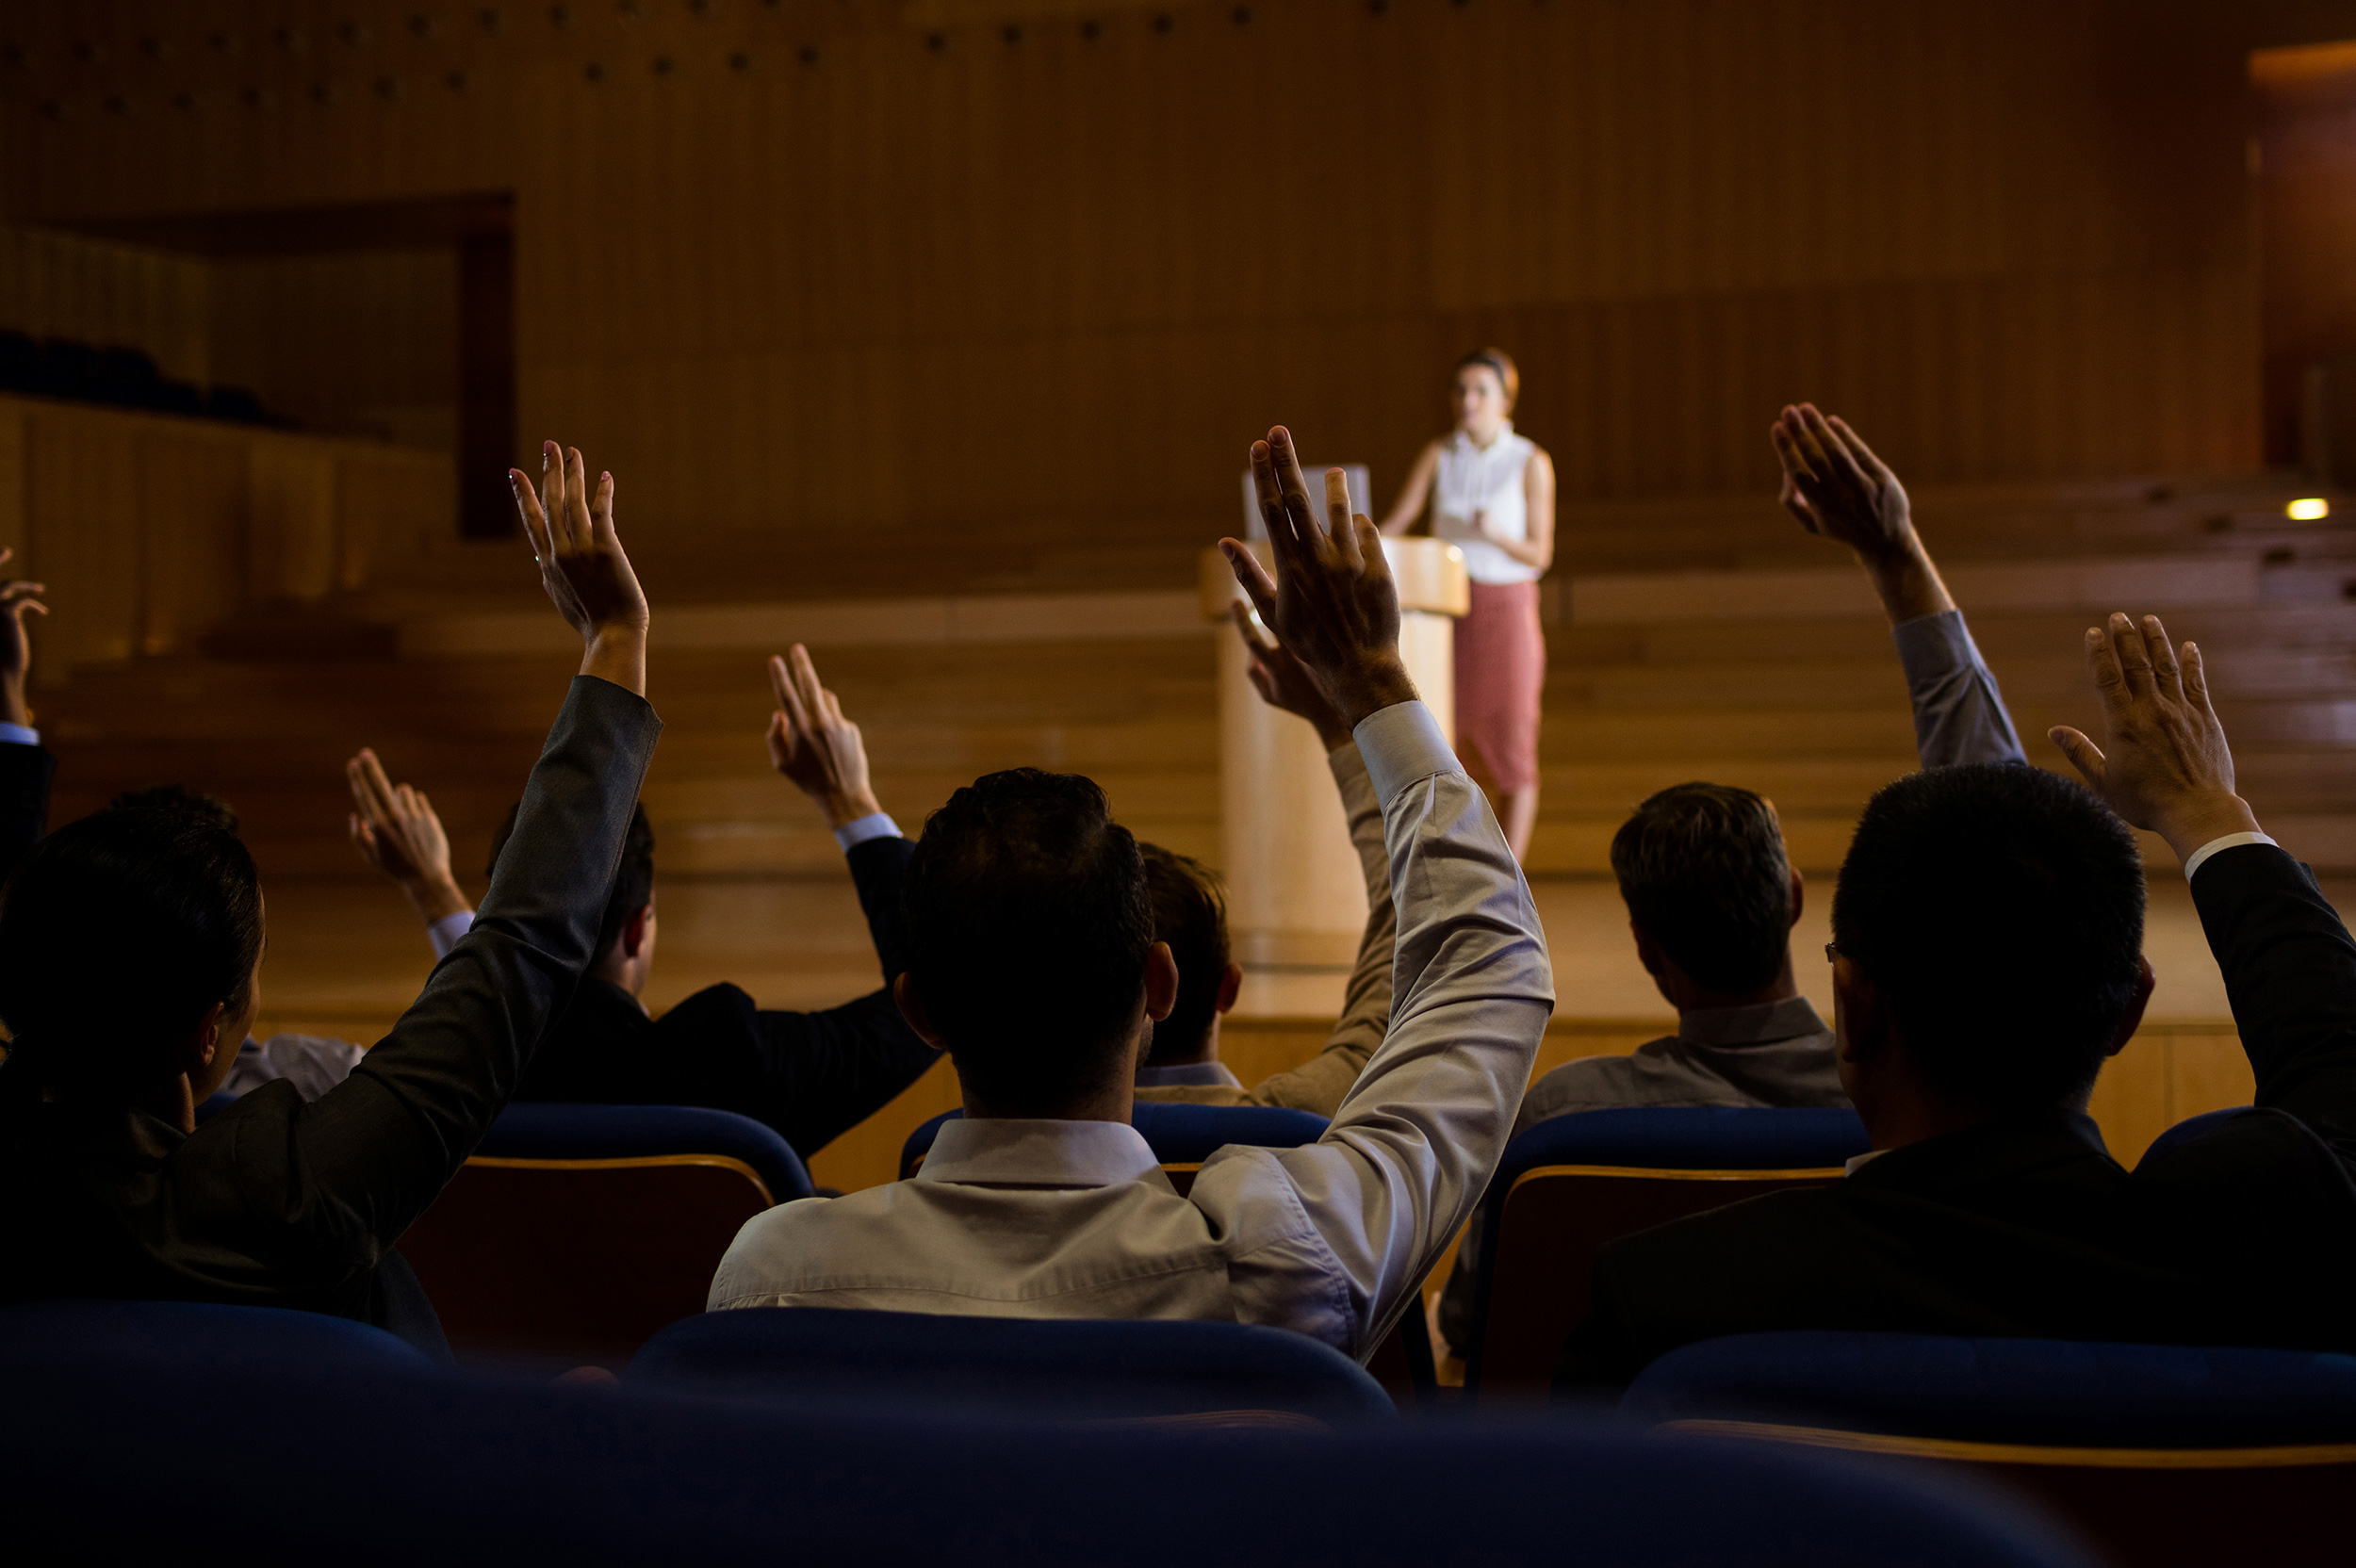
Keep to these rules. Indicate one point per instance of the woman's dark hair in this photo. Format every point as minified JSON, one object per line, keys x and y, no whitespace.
{"x":118,"y":931}
{"x":1502,"y":363}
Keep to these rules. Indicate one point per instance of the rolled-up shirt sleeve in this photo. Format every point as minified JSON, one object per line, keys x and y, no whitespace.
{"x":1958,"y":713}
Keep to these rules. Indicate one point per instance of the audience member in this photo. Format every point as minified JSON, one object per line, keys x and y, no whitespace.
{"x":812,"y":1076}
{"x":1190,"y":916}
{"x":1988,"y":935}
{"x":1710,"y":889}
{"x":1034,"y":965}
{"x":130,"y":943}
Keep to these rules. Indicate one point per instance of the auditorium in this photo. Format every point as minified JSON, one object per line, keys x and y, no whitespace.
{"x":857,"y":781}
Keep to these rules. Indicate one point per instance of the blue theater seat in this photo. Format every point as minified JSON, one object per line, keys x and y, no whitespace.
{"x":1073,"y":1369}
{"x":229,"y":1341}
{"x":150,"y":1457}
{"x":577,"y":1231}
{"x":1180,"y":1135}
{"x":2163,"y":1455}
{"x":2190,"y":1128}
{"x":1570,"y":1185}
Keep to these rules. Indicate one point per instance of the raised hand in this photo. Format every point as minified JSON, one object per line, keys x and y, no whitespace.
{"x":2168,"y":768}
{"x":815,"y":745}
{"x":1835,"y":486}
{"x":1331,"y":601}
{"x":1284,"y":682}
{"x":394,"y":828}
{"x":17,"y":599}
{"x":583,"y":565}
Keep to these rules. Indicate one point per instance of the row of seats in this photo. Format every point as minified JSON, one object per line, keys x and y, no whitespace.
{"x":121,"y":378}
{"x":278,"y":1437}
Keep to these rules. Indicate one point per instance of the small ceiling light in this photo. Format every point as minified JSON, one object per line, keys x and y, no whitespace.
{"x":2308,"y":509}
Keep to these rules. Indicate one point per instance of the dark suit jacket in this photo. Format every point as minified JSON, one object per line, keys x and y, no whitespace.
{"x":810,"y":1075}
{"x":2027,"y":1227}
{"x":281,"y":1203}
{"x":25,"y":776}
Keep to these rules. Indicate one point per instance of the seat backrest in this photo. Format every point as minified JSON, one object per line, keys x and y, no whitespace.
{"x":577,"y":1231}
{"x":1570,"y":1185}
{"x":1087,"y":1369}
{"x":505,"y":1470}
{"x":1179,"y":1135}
{"x":2162,"y":1454}
{"x":228,"y":1339}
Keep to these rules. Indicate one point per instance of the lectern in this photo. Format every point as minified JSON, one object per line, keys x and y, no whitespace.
{"x":1296,"y":902}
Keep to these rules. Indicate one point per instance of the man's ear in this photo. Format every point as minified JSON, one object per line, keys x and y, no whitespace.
{"x":1861,"y":1014}
{"x":912,"y":1008}
{"x":2132,"y":1019}
{"x":1161,"y":981}
{"x":1230,"y":987}
{"x":634,"y":939}
{"x":1799,"y":894}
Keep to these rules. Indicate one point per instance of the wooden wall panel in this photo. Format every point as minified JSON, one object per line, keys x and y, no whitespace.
{"x":880,"y":280}
{"x":62,"y":286}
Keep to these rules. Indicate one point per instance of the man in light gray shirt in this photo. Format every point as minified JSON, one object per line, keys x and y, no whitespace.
{"x":1034,"y":965}
{"x":1711,"y":891}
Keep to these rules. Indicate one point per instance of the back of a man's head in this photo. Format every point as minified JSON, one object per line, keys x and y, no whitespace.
{"x":1999,"y":911}
{"x":1028,"y":926}
{"x":633,"y":875}
{"x":1703,"y":870}
{"x":1191,"y":914}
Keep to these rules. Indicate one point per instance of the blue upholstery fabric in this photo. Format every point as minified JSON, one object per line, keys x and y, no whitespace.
{"x":2041,"y":1390}
{"x":1177,"y":1133}
{"x":1688,"y":1137}
{"x":566,"y":1132}
{"x":2189,"y":1129}
{"x":364,"y":1466}
{"x":214,"y":1106}
{"x":229,"y":1341}
{"x":1083,"y":1368}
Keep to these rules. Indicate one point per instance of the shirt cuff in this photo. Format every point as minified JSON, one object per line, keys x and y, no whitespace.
{"x":1932,"y":646}
{"x":443,"y":933}
{"x":1401,"y":745}
{"x":19,"y":735}
{"x":1347,"y":765}
{"x":2199,"y":857}
{"x":876,"y":825}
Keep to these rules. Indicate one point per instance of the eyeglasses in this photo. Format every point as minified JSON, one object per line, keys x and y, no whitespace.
{"x":1832,"y":953}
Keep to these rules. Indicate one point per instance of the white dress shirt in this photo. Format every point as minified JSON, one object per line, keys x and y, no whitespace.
{"x":1049,"y":1219}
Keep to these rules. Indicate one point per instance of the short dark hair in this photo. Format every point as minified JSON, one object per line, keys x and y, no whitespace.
{"x":1191,"y":914}
{"x":1028,"y":929}
{"x":178,"y":797}
{"x":116,"y":933}
{"x":1703,"y":869}
{"x":633,"y":876}
{"x":1999,"y":909}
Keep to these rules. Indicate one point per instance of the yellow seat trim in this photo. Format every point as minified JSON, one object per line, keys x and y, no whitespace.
{"x":2026,"y":1453}
{"x":633,"y":1162}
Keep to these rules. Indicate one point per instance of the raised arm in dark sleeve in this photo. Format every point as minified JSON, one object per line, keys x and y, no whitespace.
{"x":2290,"y":973}
{"x":828,"y":1071}
{"x":369,"y":1155}
{"x":25,"y":771}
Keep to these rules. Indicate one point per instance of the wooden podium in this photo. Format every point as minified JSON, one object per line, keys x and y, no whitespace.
{"x":1296,"y":901}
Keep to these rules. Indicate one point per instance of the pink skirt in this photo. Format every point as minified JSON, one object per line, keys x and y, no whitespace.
{"x":1500,"y":672}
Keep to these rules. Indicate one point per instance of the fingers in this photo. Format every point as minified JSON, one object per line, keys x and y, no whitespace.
{"x":1298,"y":509}
{"x":1337,"y":515}
{"x":372,"y":789}
{"x":1270,"y":497}
{"x":2165,"y":674}
{"x":2084,"y":754}
{"x":1844,"y":463}
{"x":362,"y":837}
{"x":2134,"y":659}
{"x":1258,"y":585}
{"x":2197,"y":680}
{"x":11,"y":592}
{"x":579,"y":531}
{"x":1242,"y":617}
{"x":778,"y":680}
{"x":790,"y":697}
{"x":2110,"y":684}
{"x":601,"y":511}
{"x":528,"y":507}
{"x":1864,"y":453}
{"x":1373,"y":559}
{"x":552,"y":492}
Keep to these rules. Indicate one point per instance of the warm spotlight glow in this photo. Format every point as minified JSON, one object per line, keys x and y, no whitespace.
{"x":2308,"y":509}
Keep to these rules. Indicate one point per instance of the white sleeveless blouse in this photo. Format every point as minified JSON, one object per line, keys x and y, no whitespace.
{"x":1473,"y":479}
